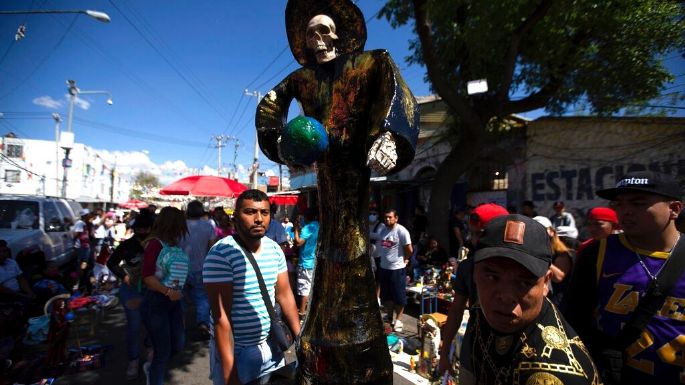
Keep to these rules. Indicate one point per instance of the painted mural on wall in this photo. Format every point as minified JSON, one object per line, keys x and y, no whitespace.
{"x":568,"y":159}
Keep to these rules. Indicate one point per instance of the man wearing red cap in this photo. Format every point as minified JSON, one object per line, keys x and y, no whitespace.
{"x":464,"y":287}
{"x":601,"y":222}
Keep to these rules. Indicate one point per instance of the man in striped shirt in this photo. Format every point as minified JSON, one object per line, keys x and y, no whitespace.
{"x":240,"y":352}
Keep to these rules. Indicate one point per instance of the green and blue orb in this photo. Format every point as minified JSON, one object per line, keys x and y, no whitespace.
{"x":303,"y":141}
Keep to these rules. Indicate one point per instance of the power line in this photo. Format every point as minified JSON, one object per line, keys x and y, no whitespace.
{"x":139,"y":134}
{"x":13,"y":128}
{"x":230,"y":122}
{"x":17,"y":165}
{"x":235,"y":129}
{"x":266,"y":68}
{"x":169,"y":62}
{"x":43,"y":60}
{"x":9,"y":48}
{"x":274,"y":76}
{"x":135,"y":79}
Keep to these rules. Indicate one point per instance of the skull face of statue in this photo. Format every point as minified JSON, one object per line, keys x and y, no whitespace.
{"x":321,"y":38}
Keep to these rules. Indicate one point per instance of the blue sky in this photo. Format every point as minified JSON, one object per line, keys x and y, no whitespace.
{"x":177,"y":78}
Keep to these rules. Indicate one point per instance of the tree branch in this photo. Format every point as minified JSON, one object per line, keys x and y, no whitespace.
{"x":438,"y":80}
{"x":540,"y":98}
{"x":516,"y":38}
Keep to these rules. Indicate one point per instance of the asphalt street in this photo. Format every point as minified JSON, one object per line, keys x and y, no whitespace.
{"x":191,"y":367}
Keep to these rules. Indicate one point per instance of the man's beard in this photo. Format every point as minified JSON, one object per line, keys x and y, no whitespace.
{"x":254,"y":236}
{"x":247,"y":233}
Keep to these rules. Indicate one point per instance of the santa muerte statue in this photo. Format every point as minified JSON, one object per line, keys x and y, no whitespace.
{"x":359,"y":116}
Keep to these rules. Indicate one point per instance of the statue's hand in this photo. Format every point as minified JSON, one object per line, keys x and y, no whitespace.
{"x":382,"y":156}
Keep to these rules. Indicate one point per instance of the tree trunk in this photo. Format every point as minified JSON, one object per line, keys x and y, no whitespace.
{"x":460,"y":158}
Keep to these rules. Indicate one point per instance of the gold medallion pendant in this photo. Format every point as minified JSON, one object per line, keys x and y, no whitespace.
{"x":542,"y":378}
{"x":554,"y":337}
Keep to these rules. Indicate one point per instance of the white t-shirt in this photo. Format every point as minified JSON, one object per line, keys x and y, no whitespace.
{"x":9,"y":273}
{"x":390,"y":246}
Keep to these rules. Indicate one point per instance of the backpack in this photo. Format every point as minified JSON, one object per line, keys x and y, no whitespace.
{"x":172,"y":266}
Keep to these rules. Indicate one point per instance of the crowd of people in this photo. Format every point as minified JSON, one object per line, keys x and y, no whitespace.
{"x":154,"y":261}
{"x":543,"y":304}
{"x":610,"y":301}
{"x":546,"y":308}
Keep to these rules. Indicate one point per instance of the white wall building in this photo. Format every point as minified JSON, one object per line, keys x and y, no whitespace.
{"x":34,"y":167}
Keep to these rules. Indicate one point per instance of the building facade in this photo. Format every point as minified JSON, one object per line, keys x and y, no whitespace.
{"x":35,"y":167}
{"x":546,"y":160}
{"x":570,"y":158}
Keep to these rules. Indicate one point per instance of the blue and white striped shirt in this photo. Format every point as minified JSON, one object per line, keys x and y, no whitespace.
{"x":226,"y":263}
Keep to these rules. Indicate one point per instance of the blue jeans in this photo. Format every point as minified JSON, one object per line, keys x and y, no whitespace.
{"x":83,"y":254}
{"x":132,"y":301}
{"x":196,"y":290}
{"x":164,"y":321}
{"x":254,"y":363}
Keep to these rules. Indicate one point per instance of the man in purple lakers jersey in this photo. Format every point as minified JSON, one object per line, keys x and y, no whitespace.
{"x":613,"y":274}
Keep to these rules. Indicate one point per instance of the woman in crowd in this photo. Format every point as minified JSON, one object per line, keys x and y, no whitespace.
{"x":165,"y":269}
{"x":562,"y":262}
{"x":130,"y":252}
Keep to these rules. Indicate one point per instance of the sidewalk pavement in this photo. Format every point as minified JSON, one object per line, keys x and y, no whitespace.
{"x":191,"y":367}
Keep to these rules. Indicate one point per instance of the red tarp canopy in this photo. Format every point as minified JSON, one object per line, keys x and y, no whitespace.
{"x":204,"y":185}
{"x":133,"y":204}
{"x":288,"y":200}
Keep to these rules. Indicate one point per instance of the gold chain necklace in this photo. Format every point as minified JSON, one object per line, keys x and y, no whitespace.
{"x":501,"y":373}
{"x":653,"y":283}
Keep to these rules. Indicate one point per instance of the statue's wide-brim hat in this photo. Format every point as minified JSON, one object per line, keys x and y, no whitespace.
{"x":349,"y":26}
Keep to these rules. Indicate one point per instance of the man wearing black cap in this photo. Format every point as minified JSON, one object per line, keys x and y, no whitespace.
{"x":518,"y":336}
{"x":615,"y":274}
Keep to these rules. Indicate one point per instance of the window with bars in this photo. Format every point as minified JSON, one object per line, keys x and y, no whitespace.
{"x":14,"y":151}
{"x":12,"y":176}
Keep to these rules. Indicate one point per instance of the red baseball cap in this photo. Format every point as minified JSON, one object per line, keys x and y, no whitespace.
{"x":481,"y":215}
{"x":603,"y":214}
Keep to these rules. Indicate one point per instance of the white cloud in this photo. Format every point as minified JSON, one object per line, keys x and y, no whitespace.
{"x":129,"y":163}
{"x":48,"y":102}
{"x":81,"y":103}
{"x":206,"y":170}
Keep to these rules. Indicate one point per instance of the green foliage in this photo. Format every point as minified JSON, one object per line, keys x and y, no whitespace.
{"x":142,"y":182}
{"x":146,"y":179}
{"x":602,"y":54}
{"x":598,"y":55}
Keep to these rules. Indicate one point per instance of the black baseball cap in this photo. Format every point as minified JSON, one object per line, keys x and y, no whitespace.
{"x":644,"y":181}
{"x":519,"y":238}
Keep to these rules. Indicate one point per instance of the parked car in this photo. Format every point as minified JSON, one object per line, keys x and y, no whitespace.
{"x":32,"y":225}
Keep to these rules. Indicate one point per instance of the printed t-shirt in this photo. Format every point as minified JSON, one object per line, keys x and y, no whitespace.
{"x":391,"y":246}
{"x":9,"y":273}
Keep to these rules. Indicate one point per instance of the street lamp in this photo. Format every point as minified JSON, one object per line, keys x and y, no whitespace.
{"x":97,"y":15}
{"x":67,"y":145}
{"x":58,"y":120}
{"x":255,"y":161}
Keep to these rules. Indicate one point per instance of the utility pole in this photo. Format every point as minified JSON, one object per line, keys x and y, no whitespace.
{"x":58,"y":120}
{"x":112,"y":175}
{"x":235,"y":159}
{"x":221,"y":143}
{"x":255,"y":162}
